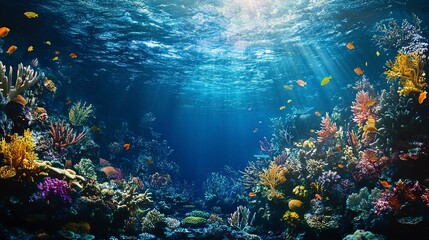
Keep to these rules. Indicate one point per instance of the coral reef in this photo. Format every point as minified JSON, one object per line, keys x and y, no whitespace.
{"x":79,"y":113}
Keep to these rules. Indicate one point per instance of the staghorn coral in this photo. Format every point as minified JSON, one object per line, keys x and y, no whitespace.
{"x":328,"y":129}
{"x":62,"y":136}
{"x":410,"y":70}
{"x":241,"y":218}
{"x":79,"y":113}
{"x":271,"y":177}
{"x":25,"y":78}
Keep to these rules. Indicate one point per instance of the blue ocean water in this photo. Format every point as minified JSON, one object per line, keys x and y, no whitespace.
{"x":212,"y":73}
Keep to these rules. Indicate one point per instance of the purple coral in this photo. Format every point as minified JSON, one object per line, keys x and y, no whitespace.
{"x":328,"y":178}
{"x":53,"y":188}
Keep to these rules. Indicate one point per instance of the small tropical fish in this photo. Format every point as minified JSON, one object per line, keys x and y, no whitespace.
{"x":30,"y":48}
{"x":40,"y":110}
{"x":4,"y":31}
{"x":287,"y":87}
{"x":67,"y":102}
{"x":289,"y":100}
{"x":338,"y":148}
{"x":317,"y":113}
{"x":11,"y":49}
{"x":48,"y":43}
{"x":341,"y":166}
{"x":260,"y":122}
{"x":318,"y":197}
{"x":325,"y":80}
{"x":50,"y":85}
{"x":252,"y":194}
{"x":350,"y":46}
{"x":366,"y":64}
{"x":149,"y":162}
{"x":358,"y":71}
{"x":94,"y":129}
{"x":282,"y":107}
{"x":385,"y":183}
{"x":370,"y":103}
{"x":31,"y":14}
{"x":377,"y":53}
{"x":422,"y":97}
{"x":126,"y":146}
{"x":55,"y":58}
{"x":255,"y":130}
{"x":312,"y":130}
{"x":73,"y":55}
{"x":301,"y":82}
{"x":57,"y":52}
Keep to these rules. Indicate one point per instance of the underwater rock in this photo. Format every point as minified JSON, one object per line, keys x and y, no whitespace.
{"x":19,"y":115}
{"x":295,"y":205}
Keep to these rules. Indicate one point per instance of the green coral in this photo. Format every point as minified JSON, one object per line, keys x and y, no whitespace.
{"x":292,"y":218}
{"x":86,"y":168}
{"x":153,"y":221}
{"x":194,"y":221}
{"x":79,"y":113}
{"x":198,"y":213}
{"x":363,"y":235}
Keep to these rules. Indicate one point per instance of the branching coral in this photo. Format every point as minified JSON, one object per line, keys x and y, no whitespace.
{"x":19,"y":156}
{"x":409,"y":69}
{"x":241,"y":218}
{"x":328,"y":129}
{"x":271,"y":177}
{"x":62,"y":136}
{"x":79,"y":113}
{"x":25,"y":78}
{"x":362,"y":108}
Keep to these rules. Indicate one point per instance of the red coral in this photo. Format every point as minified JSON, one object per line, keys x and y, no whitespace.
{"x":328,"y":129}
{"x":362,"y":108}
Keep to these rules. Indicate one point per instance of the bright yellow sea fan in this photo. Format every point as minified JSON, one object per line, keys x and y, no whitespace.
{"x":409,"y":69}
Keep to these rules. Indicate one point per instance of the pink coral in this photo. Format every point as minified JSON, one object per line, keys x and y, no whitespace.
{"x":362,"y":108}
{"x":328,"y":129}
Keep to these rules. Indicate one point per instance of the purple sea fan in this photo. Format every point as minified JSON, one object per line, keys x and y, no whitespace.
{"x":53,"y":188}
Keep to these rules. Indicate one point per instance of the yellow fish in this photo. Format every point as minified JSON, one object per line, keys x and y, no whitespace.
{"x":287,"y":87}
{"x":377,"y":53}
{"x":282,"y":107}
{"x":55,"y":59}
{"x":31,"y":14}
{"x":48,"y":43}
{"x":30,"y":48}
{"x":325,"y":80}
{"x":289,"y":101}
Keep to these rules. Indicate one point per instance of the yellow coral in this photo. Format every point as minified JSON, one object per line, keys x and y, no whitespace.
{"x":272,"y":177}
{"x":409,"y":69}
{"x":292,"y":218}
{"x":19,"y":156}
{"x":300,"y":191}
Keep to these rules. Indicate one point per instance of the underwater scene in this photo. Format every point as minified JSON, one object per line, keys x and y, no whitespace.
{"x":214,"y":119}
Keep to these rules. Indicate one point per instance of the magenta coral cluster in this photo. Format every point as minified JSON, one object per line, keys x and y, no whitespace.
{"x":362,"y":108}
{"x":53,"y":188}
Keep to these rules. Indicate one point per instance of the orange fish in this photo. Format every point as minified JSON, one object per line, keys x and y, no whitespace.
{"x":4,"y":31}
{"x":341,"y":166}
{"x":11,"y":49}
{"x":422,"y":97}
{"x":350,"y":46}
{"x":126,"y":146}
{"x":301,"y":82}
{"x":73,"y":55}
{"x":358,"y":71}
{"x":57,"y":52}
{"x":252,"y":194}
{"x":318,"y":197}
{"x":312,"y":130}
{"x":67,"y":102}
{"x":317,"y":113}
{"x":385,"y":183}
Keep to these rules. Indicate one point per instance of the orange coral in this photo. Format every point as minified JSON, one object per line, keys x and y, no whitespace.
{"x":410,"y":70}
{"x":328,"y":129}
{"x":362,"y":108}
{"x":272,"y":177}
